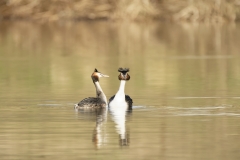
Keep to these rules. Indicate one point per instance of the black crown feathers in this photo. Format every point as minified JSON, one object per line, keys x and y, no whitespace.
{"x":123,"y":70}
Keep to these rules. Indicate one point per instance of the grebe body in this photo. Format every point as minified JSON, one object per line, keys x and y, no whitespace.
{"x":120,"y":100}
{"x":100,"y":101}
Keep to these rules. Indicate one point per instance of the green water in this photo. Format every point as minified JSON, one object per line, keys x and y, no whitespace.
{"x":185,"y":82}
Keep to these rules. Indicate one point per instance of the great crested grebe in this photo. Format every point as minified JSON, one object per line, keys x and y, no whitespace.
{"x":100,"y":100}
{"x":120,"y":99}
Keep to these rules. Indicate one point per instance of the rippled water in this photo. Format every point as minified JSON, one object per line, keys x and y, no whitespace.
{"x":184,"y":85}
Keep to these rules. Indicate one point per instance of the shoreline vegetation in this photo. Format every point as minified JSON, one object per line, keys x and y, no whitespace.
{"x":135,"y":10}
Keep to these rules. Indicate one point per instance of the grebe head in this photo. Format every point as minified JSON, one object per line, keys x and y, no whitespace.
{"x":123,"y":74}
{"x":96,"y":75}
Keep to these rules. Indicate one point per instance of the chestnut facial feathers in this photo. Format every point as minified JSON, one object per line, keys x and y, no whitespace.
{"x":124,"y":74}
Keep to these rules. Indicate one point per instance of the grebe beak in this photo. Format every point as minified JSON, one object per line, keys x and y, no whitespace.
{"x":103,"y":75}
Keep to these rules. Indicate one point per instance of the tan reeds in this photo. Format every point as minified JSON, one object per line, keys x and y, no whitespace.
{"x":174,"y":10}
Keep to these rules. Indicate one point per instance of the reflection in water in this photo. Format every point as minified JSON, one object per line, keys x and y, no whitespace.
{"x":99,"y":137}
{"x":99,"y":133}
{"x":99,"y":115}
{"x":119,"y":117}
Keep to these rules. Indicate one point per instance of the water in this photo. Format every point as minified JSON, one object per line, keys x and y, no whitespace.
{"x":184,"y":85}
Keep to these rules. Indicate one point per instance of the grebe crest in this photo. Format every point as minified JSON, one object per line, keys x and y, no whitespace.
{"x":100,"y":100}
{"x":120,"y":100}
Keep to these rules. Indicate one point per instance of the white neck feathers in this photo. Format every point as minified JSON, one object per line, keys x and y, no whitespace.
{"x":99,"y":92}
{"x":120,"y":95}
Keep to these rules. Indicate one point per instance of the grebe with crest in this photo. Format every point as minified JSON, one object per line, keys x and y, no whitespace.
{"x":100,"y":101}
{"x":120,"y":100}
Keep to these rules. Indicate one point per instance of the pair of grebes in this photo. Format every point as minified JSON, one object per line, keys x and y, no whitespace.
{"x":100,"y":101}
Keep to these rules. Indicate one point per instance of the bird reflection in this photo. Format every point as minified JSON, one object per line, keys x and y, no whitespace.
{"x":119,"y":116}
{"x":99,"y":136}
{"x":99,"y":115}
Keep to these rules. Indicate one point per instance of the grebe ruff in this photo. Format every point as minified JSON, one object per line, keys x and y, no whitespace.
{"x":120,"y":99}
{"x":100,"y":100}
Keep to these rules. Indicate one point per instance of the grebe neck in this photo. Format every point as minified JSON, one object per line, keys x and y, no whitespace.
{"x":122,"y":86}
{"x":99,"y":92}
{"x":120,"y":95}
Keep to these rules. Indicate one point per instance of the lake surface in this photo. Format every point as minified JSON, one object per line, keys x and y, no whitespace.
{"x":185,"y":86}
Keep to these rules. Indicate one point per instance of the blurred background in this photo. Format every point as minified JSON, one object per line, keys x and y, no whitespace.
{"x":168,"y":10}
{"x":184,"y":60}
